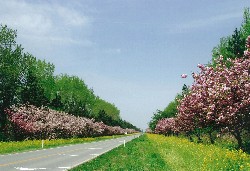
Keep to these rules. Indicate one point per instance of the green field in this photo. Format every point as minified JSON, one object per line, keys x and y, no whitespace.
{"x":157,"y":152}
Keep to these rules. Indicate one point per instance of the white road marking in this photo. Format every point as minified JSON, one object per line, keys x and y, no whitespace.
{"x":57,"y":152}
{"x":94,"y":148}
{"x":63,"y":167}
{"x":73,"y":155}
{"x":23,"y":168}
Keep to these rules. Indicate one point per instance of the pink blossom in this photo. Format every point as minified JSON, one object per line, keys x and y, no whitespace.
{"x":200,"y":66}
{"x":219,"y":97}
{"x":34,"y":122}
{"x":184,"y":76}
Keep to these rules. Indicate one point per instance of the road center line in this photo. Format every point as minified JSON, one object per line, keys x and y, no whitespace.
{"x":23,"y":168}
{"x":37,"y":158}
{"x":94,"y":148}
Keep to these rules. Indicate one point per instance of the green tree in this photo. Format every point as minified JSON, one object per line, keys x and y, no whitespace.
{"x":76,"y":97}
{"x":221,"y":49}
{"x":26,"y":79}
{"x":233,"y":46}
{"x":154,"y":119}
{"x":45,"y":74}
{"x":110,"y":109}
{"x":126,"y":124}
{"x":236,"y":44}
{"x":245,"y":26}
{"x":56,"y":103}
{"x":105,"y":118}
{"x":11,"y":71}
{"x":170,"y":111}
{"x":33,"y":90}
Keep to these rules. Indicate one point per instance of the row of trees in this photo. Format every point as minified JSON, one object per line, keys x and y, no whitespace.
{"x":218,"y":100}
{"x":30,"y":122}
{"x":26,"y":79}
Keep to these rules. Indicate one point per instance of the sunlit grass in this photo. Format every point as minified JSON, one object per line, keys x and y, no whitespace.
{"x":138,"y":155}
{"x":180,"y":154}
{"x":18,"y":146}
{"x":157,"y":152}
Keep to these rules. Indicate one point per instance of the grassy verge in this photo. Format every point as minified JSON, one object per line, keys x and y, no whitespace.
{"x":18,"y":146}
{"x":180,"y":154}
{"x":139,"y":154}
{"x":225,"y":141}
{"x":157,"y":152}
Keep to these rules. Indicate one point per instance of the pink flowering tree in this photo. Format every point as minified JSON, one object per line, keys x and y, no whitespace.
{"x":219,"y":97}
{"x":43,"y":123}
{"x":166,"y":126}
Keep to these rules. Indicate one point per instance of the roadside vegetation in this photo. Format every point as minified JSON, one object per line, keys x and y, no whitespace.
{"x":138,"y":154}
{"x":158,"y":152}
{"x":20,"y":146}
{"x":26,"y":80}
{"x":217,"y":105}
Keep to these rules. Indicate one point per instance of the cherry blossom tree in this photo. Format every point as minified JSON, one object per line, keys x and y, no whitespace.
{"x":166,"y":126}
{"x":41,"y":123}
{"x":219,"y":97}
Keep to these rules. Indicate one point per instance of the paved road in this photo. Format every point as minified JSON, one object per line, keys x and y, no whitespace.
{"x":60,"y":158}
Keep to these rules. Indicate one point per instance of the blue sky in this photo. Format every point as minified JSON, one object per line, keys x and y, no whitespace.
{"x":131,"y":52}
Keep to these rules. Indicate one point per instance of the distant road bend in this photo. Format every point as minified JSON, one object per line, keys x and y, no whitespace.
{"x":60,"y":158}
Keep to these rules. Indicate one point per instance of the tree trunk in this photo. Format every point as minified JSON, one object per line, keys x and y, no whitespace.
{"x":239,"y":139}
{"x":190,"y":138}
{"x":211,"y":137}
{"x":199,"y":138}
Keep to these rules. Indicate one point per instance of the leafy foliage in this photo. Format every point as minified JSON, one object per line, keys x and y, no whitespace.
{"x":74,"y":96}
{"x":105,"y":109}
{"x":24,"y":79}
{"x":38,"y":82}
{"x":11,"y":71}
{"x":233,"y":46}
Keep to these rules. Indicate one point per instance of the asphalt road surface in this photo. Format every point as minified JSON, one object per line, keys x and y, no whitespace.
{"x":60,"y":158}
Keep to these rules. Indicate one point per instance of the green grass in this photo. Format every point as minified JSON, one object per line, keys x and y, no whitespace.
{"x":183,"y":155}
{"x":157,"y":152}
{"x":139,"y":154}
{"x":19,"y":146}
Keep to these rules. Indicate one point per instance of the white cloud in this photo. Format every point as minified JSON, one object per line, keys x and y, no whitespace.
{"x":71,"y":17}
{"x":46,"y":22}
